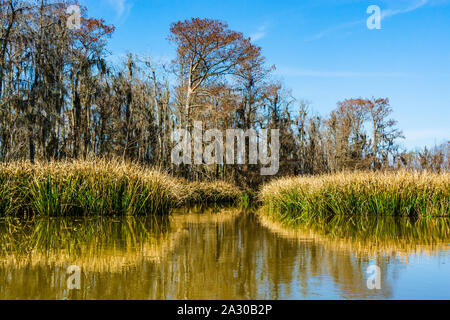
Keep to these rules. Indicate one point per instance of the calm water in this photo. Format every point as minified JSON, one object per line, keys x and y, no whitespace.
{"x":223,"y":255}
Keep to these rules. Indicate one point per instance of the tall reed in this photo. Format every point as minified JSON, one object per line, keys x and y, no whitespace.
{"x":338,"y":196}
{"x":96,"y":188}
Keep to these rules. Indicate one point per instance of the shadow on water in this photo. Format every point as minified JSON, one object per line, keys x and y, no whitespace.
{"x":218,"y":254}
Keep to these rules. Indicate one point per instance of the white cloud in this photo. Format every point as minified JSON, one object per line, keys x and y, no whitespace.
{"x":393,"y":12}
{"x":335,"y":28}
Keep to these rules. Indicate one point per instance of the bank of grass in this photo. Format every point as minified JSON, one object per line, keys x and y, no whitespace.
{"x":303,"y":200}
{"x":100,"y":188}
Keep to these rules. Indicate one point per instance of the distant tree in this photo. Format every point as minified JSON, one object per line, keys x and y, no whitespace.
{"x":348,"y":134}
{"x":349,"y":139}
{"x":206,"y":50}
{"x":384,"y":132}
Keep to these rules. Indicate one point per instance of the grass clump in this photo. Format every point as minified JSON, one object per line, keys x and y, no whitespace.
{"x":337,"y":196}
{"x":96,"y":188}
{"x":205,"y":193}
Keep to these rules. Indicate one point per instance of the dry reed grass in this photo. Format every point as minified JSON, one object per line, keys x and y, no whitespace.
{"x":306,"y":199}
{"x":99,"y":188}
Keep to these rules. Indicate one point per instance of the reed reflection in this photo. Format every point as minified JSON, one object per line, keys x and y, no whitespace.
{"x":191,"y":255}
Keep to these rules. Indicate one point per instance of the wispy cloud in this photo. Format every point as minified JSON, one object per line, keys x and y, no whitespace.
{"x":325,"y":32}
{"x":384,"y":14}
{"x":393,"y":12}
{"x":293,"y":72}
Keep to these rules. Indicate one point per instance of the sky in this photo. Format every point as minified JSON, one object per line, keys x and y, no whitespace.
{"x":322,"y":49}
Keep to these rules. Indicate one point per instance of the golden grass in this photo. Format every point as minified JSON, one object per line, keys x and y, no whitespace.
{"x":99,"y":188}
{"x":306,"y":199}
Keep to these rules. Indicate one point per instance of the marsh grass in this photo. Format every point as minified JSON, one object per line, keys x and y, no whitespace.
{"x":99,"y":188}
{"x":216,"y":192}
{"x":335,"y":198}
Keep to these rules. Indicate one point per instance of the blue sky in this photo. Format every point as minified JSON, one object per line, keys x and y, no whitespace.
{"x":323,"y":50}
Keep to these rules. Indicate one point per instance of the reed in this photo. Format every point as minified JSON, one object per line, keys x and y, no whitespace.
{"x":99,"y":188}
{"x":328,"y":198}
{"x":216,"y":192}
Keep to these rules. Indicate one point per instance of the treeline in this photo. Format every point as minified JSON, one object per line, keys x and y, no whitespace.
{"x":61,"y":99}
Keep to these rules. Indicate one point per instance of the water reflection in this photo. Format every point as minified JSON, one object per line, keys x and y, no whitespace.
{"x":212,"y":255}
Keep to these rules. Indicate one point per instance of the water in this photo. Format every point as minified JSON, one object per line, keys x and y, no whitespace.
{"x":221,"y":255}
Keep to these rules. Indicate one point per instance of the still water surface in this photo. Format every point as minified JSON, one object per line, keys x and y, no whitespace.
{"x":221,"y":255}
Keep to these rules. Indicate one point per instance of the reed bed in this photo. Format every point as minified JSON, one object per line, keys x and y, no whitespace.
{"x":330,"y":198}
{"x":99,"y":188}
